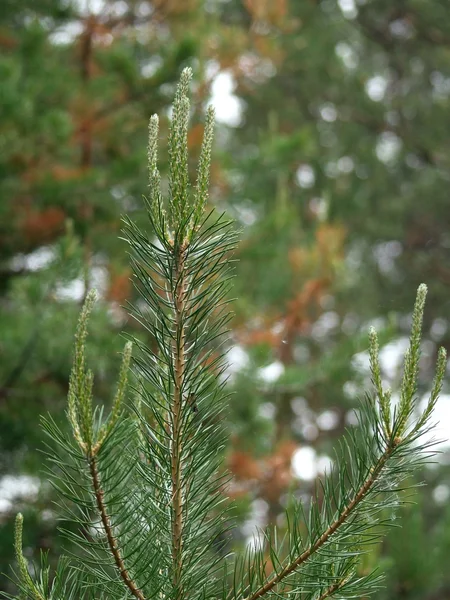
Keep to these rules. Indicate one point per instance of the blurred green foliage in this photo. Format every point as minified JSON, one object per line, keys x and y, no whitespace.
{"x":337,"y":172}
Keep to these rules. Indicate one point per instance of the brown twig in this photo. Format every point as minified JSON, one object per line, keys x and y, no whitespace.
{"x":333,"y":588}
{"x":112,"y":541}
{"x":179,"y":365}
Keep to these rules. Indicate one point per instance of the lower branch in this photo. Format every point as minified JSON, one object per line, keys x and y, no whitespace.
{"x":359,"y":496}
{"x":112,"y":541}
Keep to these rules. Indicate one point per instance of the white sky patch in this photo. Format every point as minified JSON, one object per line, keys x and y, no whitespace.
{"x":401,"y":28}
{"x":39,"y":259}
{"x":438,"y":329}
{"x":272,"y":372}
{"x":13,"y":487}
{"x":345,"y":164}
{"x":228,"y":107}
{"x":388,"y":147}
{"x":299,"y":406}
{"x":391,"y":357}
{"x":309,"y":432}
{"x":348,"y":8}
{"x":144,"y":9}
{"x":328,"y":112}
{"x":350,"y":389}
{"x":441,"y":417}
{"x":256,"y":68}
{"x":212,"y":69}
{"x":237,"y":359}
{"x":376,"y":87}
{"x":255,"y":541}
{"x":267,"y":410}
{"x":441,"y":494}
{"x":326,"y":323}
{"x":246,"y":214}
{"x":319,"y":206}
{"x":347,"y":54}
{"x":386,"y":253}
{"x":99,"y":279}
{"x":92,"y":6}
{"x":277,"y":328}
{"x":74,"y":290}
{"x":305,"y":176}
{"x":66,"y":34}
{"x":47,"y":515}
{"x":441,"y":85}
{"x":119,"y":8}
{"x":257,"y":520}
{"x":304,"y":463}
{"x":307,"y":465}
{"x":324,"y":464}
{"x":328,"y":420}
{"x":331,"y":169}
{"x":151,"y":66}
{"x":71,"y":30}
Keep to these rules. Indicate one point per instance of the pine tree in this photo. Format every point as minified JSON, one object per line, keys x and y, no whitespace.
{"x":145,"y":484}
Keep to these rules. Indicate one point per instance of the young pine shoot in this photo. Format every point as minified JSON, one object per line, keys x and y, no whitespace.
{"x":145,"y":484}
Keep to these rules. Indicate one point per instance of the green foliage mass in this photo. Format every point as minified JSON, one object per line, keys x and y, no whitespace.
{"x":356,"y":96}
{"x":144,"y":485}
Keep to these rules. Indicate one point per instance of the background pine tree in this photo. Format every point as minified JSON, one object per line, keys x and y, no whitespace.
{"x":357,"y":94}
{"x":143,"y":484}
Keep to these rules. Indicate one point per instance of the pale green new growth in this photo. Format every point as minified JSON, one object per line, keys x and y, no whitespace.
{"x":149,"y":486}
{"x":178,"y":152}
{"x":21,"y":562}
{"x":107,"y":427}
{"x":152,"y":151}
{"x":410,"y":376}
{"x":154,"y":177}
{"x":384,"y":397}
{"x":202,"y":187}
{"x":185,"y":212}
{"x":411,"y":366}
{"x":80,"y":396}
{"x":441,"y":367}
{"x":80,"y":388}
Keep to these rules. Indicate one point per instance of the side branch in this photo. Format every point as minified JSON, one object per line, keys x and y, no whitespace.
{"x":112,"y":541}
{"x":333,"y":588}
{"x":348,"y":510}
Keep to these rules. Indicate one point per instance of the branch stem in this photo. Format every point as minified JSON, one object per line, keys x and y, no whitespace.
{"x":112,"y":541}
{"x":333,"y":588}
{"x":179,"y":300}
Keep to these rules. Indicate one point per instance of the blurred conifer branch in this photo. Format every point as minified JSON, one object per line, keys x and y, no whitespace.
{"x":147,"y":480}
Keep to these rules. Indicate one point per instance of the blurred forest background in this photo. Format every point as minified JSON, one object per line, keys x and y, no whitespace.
{"x":332,"y":153}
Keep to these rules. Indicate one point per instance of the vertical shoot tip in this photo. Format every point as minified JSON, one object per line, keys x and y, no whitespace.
{"x":411,"y":365}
